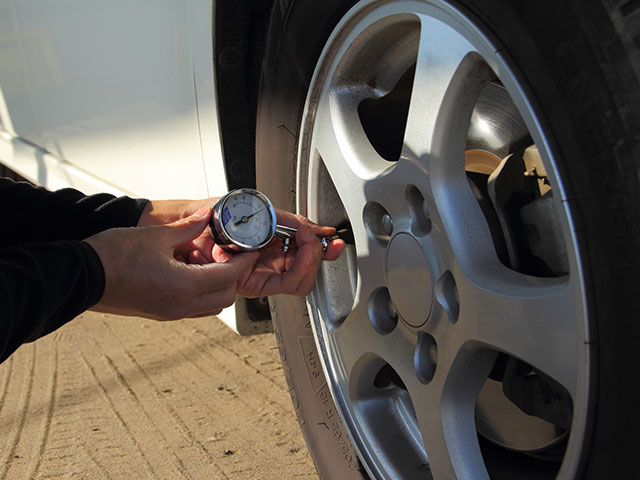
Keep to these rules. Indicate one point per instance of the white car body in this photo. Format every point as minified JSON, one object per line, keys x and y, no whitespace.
{"x":131,"y":115}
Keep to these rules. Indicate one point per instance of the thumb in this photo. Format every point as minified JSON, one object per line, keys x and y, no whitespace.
{"x":244,"y":264}
{"x":187,"y":229}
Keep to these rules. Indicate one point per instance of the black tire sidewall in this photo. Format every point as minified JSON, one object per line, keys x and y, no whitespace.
{"x":295,"y":43}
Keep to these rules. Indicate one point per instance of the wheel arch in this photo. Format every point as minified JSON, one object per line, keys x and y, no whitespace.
{"x":247,"y":48}
{"x":239,"y":33}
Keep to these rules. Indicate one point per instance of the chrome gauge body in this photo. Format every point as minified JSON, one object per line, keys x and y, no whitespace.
{"x":243,"y":220}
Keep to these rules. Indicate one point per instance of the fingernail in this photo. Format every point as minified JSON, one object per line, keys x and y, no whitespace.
{"x":202,"y":213}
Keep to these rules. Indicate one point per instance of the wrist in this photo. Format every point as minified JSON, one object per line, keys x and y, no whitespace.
{"x":161,"y":212}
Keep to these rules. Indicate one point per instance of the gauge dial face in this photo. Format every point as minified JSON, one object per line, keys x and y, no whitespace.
{"x":247,"y":218}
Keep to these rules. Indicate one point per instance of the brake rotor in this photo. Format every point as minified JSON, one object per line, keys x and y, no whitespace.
{"x":497,"y":418}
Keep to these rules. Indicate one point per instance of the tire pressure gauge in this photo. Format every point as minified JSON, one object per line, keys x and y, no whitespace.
{"x":245,"y":219}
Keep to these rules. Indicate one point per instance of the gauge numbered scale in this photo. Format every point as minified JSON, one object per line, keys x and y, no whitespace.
{"x":245,"y":220}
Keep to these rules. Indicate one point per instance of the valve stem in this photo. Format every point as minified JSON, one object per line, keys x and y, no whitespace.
{"x":289,"y":233}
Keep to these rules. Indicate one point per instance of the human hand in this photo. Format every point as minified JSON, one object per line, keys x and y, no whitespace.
{"x":275,"y":272}
{"x":292,"y":273}
{"x":144,"y":278}
{"x":161,"y":212}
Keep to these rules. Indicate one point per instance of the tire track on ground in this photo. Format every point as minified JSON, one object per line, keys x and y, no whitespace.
{"x":115,"y":398}
{"x":252,"y":389}
{"x":21,"y":411}
{"x":138,"y":405}
{"x":50,"y":402}
{"x":75,"y":402}
{"x":124,"y":425}
{"x":162,"y":407}
{"x":6,"y":369}
{"x":94,"y":462}
{"x":178,"y":419}
{"x":229,"y":382}
{"x":243,"y":358}
{"x":203,"y":354}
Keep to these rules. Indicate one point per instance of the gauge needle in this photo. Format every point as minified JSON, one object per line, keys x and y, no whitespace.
{"x":246,"y":218}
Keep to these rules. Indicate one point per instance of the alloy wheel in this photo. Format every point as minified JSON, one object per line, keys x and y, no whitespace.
{"x":433,"y":324}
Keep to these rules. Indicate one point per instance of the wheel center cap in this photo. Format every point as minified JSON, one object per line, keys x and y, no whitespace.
{"x":409,"y":279}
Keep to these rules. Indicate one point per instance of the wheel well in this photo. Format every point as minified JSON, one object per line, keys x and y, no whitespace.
{"x":249,"y":33}
{"x":240,"y":31}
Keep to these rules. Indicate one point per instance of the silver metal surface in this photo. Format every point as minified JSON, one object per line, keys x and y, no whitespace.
{"x":496,"y":125}
{"x":224,"y":237}
{"x":409,"y":279}
{"x":228,"y":241}
{"x":464,"y":96}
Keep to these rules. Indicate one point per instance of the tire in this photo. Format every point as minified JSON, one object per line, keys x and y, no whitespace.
{"x":449,"y":310}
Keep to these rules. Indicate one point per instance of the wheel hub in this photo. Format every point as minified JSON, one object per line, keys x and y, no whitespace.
{"x":409,"y":279}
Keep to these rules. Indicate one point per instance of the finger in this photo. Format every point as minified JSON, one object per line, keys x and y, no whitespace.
{"x":307,"y":261}
{"x":288,"y":219}
{"x":244,"y":264}
{"x":210,"y":277}
{"x":212,"y":303}
{"x":298,"y":279}
{"x":187,"y":229}
{"x":294,"y":220}
{"x":305,"y":285}
{"x":197,"y":258}
{"x":221,"y":255}
{"x":321,"y":230}
{"x":334,"y":249}
{"x":243,"y":261}
{"x":306,"y":236}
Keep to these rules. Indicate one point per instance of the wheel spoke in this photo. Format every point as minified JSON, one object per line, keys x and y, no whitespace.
{"x":533,"y":319}
{"x":351,"y":164}
{"x":445,"y":411}
{"x":446,"y":72}
{"x":358,"y":342}
{"x":448,"y":80}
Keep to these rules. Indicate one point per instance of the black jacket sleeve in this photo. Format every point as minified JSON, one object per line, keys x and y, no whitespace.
{"x":43,"y":286}
{"x":48,"y":275}
{"x":35,"y":214}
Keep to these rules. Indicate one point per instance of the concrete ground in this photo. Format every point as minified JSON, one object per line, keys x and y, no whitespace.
{"x":110,"y":397}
